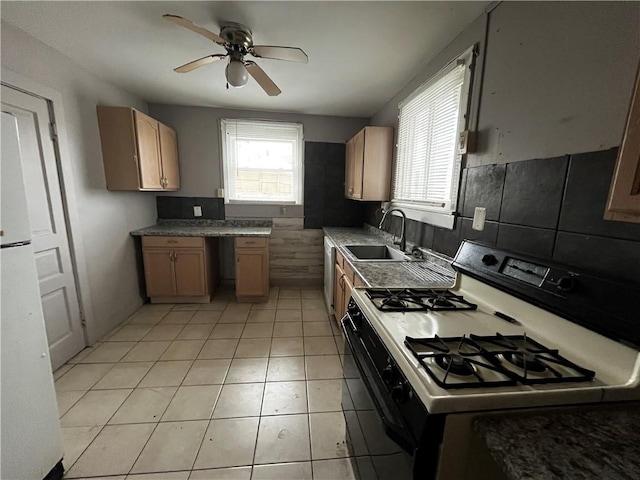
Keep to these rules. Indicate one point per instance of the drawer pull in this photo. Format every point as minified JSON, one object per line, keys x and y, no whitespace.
{"x":172,"y":241}
{"x":249,"y":242}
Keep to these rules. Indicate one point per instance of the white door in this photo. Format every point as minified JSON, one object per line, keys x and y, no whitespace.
{"x":48,"y":225}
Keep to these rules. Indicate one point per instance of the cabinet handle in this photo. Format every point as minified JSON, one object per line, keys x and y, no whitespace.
{"x":175,"y":257}
{"x":172,"y":241}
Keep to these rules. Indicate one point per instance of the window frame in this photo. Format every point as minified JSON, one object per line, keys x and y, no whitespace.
{"x":442,"y":216}
{"x":298,"y":163}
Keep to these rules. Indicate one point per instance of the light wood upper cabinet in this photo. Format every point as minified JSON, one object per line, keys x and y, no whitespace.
{"x":252,"y":268}
{"x":139,"y":153}
{"x":368,"y":164}
{"x":149,"y":160}
{"x":169,"y":154}
{"x":624,"y":197}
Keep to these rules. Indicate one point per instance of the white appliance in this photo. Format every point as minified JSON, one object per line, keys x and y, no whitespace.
{"x":31,"y":437}
{"x":514,"y":333}
{"x":329,"y":262}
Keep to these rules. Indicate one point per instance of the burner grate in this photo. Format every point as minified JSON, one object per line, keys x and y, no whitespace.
{"x":531,"y":359}
{"x":492,"y":361}
{"x":408,"y":299}
{"x":449,"y":354}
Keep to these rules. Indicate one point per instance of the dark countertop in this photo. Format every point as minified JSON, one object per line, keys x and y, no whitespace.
{"x":207,"y":228}
{"x":585,"y":444}
{"x":385,"y":274}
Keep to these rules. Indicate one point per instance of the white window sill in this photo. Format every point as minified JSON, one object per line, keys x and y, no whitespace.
{"x":435,"y":218}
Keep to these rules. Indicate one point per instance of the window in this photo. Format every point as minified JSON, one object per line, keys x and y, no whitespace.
{"x":427,"y":168}
{"x":262,"y":161}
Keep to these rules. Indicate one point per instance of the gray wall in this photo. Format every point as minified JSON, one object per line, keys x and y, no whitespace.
{"x":198,"y":133}
{"x":555,"y":90}
{"x":557,"y":78}
{"x":106,"y":217}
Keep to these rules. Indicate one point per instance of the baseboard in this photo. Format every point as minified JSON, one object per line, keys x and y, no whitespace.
{"x":297,"y":282}
{"x":200,"y":299}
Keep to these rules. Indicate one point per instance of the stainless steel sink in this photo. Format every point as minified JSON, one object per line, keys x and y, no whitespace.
{"x":377,"y":253}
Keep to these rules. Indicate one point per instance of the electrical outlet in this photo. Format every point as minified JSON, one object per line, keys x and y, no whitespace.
{"x":197,"y":211}
{"x":220,"y":192}
{"x":479,"y":216}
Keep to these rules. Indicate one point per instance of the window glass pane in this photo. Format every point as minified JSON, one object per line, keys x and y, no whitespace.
{"x":426,"y":171}
{"x":262,"y":161}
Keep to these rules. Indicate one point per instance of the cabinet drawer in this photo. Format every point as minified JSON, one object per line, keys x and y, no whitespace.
{"x":251,"y":242}
{"x":339,"y":258}
{"x":154,"y":241}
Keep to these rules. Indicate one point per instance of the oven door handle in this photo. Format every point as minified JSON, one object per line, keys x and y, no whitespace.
{"x":402,"y":439}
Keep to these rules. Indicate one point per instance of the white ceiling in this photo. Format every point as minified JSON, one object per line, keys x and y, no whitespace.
{"x":360,"y":53}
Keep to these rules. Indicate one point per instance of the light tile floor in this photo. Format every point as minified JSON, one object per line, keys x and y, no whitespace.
{"x":215,"y":391}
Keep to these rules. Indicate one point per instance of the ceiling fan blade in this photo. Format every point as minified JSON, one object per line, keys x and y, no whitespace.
{"x":263,"y":79}
{"x":290,"y":54}
{"x":201,"y":62}
{"x":186,"y":23}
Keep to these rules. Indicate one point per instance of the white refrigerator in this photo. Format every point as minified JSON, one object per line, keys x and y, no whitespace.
{"x":31,"y":440}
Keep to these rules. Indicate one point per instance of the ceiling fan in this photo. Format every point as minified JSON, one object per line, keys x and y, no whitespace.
{"x":238,"y":42}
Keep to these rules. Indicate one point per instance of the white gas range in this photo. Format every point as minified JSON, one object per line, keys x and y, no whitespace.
{"x":512,"y":342}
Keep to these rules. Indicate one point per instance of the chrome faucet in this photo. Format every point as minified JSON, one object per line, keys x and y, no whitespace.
{"x":402,"y":242}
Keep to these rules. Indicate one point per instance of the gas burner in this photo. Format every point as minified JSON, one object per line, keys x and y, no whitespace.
{"x":491,"y":361}
{"x":524,"y":360}
{"x":415,"y":299}
{"x":393,"y":302}
{"x":455,"y":364}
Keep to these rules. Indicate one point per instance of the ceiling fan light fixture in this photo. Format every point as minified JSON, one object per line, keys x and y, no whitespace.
{"x":236,"y":73}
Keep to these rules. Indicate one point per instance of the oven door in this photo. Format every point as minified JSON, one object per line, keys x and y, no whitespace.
{"x":358,"y":362}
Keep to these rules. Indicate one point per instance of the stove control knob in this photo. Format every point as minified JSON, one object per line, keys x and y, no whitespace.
{"x":400,"y":393}
{"x":567,"y":284}
{"x":388,"y":373}
{"x":489,"y":260}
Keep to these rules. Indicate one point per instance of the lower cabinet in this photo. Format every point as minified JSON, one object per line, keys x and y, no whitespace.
{"x":178,"y":268}
{"x":252,"y":268}
{"x":345,"y":280}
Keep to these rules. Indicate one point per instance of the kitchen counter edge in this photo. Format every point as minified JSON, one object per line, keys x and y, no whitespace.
{"x":202,"y":231}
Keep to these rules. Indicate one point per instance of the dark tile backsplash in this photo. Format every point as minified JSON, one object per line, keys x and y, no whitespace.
{"x":547,"y":208}
{"x":447,"y":241}
{"x":533,"y":192}
{"x":616,"y":258}
{"x":484,"y":189}
{"x":324,"y":202}
{"x":537,"y":242}
{"x":489,"y":235}
{"x":588,"y":183}
{"x":182,"y":207}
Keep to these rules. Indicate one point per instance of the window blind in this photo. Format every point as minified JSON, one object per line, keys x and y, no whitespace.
{"x":427,"y":165}
{"x":262,"y":161}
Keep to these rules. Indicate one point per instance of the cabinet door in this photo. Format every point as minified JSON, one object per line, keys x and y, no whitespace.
{"x":169,"y":156}
{"x":190,"y":268}
{"x":338,"y":293}
{"x":348,"y":170}
{"x":158,"y":272}
{"x":358,"y":163}
{"x":347,"y":294}
{"x":624,"y":196}
{"x":252,"y":272}
{"x":148,"y":137}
